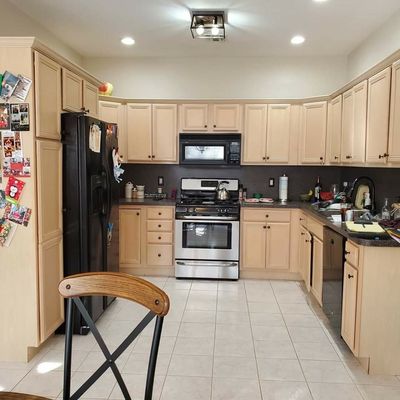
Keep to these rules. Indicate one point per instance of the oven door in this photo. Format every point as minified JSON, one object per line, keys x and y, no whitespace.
{"x":207,"y":240}
{"x":199,"y":152}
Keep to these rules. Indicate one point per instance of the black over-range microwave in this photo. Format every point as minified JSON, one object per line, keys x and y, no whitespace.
{"x":209,"y":149}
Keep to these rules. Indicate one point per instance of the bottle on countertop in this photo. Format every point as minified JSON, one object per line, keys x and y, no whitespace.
{"x":385,"y":213}
{"x":244,"y":196}
{"x":240,"y":192}
{"x":317,"y":190}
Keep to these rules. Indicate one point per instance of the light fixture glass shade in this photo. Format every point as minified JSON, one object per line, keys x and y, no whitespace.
{"x":208,"y":25}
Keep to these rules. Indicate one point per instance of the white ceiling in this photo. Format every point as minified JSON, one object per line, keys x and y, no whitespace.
{"x":255,"y":27}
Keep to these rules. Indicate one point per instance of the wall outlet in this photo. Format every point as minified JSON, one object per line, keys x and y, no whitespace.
{"x":271,"y":182}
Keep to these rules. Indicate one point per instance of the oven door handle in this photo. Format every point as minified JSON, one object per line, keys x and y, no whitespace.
{"x":208,"y":264}
{"x":206,"y":218}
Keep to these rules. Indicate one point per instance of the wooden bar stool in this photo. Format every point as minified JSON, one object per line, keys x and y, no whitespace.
{"x":20,"y":396}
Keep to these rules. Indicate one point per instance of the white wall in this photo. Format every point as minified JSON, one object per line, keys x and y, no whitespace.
{"x":16,"y":23}
{"x":220,"y":78}
{"x":379,"y":45}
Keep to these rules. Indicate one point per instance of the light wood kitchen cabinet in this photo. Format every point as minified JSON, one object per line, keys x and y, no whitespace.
{"x":115,"y":113}
{"x":317,"y":269}
{"x":51,"y":304}
{"x":305,"y":239}
{"x":138,"y":131}
{"x":194,"y":117}
{"x":79,"y":95}
{"x":354,"y":124}
{"x":334,"y":132}
{"x":255,"y":134}
{"x":378,"y":117}
{"x":226,"y":117}
{"x":278,"y":133}
{"x":216,"y":117}
{"x":47,"y":97}
{"x":165,"y":131}
{"x":265,"y":239}
{"x":349,"y":305}
{"x":151,"y":132}
{"x":49,"y":175}
{"x":394,"y":131}
{"x":313,"y":133}
{"x":266,"y":136}
{"x":130,"y":225}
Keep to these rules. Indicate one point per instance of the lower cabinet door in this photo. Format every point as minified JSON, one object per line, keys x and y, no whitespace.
{"x":317,"y":269}
{"x":51,"y":304}
{"x":305,"y":256}
{"x":278,"y":245}
{"x":349,"y":305}
{"x":253,"y":245}
{"x":130,"y":236}
{"x":159,"y":254}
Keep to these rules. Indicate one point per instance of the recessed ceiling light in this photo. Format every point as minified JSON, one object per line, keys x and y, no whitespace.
{"x":298,"y":39}
{"x":128,"y":41}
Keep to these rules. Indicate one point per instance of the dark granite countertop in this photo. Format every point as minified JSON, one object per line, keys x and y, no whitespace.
{"x":146,"y":202}
{"x":339,"y":228}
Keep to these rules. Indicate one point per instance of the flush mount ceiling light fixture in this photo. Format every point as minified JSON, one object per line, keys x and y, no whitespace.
{"x":128,"y":41}
{"x":208,"y":25}
{"x":297,"y":40}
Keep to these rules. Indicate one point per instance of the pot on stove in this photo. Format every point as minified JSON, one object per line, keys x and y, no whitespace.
{"x":222,"y":192}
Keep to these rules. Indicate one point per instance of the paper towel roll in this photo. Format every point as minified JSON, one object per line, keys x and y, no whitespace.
{"x":283,"y":187}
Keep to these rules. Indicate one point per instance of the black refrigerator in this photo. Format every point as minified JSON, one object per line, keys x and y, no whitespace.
{"x":90,"y":203}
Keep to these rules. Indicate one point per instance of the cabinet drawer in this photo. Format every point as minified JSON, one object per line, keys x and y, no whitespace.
{"x":315,"y":227}
{"x":266,"y":214}
{"x":159,"y":254}
{"x":352,"y":254}
{"x":159,"y":213}
{"x":159,"y":226}
{"x":159,"y":237}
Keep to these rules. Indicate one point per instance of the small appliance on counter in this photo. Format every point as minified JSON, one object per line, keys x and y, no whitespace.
{"x":207,"y":229}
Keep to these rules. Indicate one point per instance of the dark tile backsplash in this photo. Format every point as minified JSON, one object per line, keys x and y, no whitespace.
{"x":255,"y":178}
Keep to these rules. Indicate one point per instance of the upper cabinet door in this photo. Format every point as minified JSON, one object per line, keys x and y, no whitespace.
{"x":91,"y":99}
{"x":139,"y":132}
{"x":47,"y":97}
{"x":71,"y":91}
{"x":165,"y":132}
{"x":278,"y":133}
{"x":348,"y":127}
{"x":313,"y":134}
{"x":115,"y":113}
{"x":394,"y":133}
{"x":226,"y":117}
{"x":378,"y":117}
{"x":334,"y":129}
{"x":194,"y":117}
{"x":49,"y":189}
{"x":360,"y":122}
{"x":255,"y":133}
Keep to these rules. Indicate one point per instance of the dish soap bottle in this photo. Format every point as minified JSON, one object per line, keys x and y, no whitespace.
{"x":317,"y":190}
{"x":385,"y":210}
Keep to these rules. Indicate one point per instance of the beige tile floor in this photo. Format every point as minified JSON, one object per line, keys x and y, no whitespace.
{"x":245,"y":340}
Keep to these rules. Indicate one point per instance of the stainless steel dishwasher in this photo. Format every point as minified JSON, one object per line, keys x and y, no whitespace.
{"x":332,"y":286}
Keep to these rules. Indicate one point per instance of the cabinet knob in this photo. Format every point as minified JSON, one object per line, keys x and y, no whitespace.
{"x":215,"y":126}
{"x":159,"y":213}
{"x":205,"y":126}
{"x":263,"y":158}
{"x":153,"y":156}
{"x":302,"y":233}
{"x":350,"y":276}
{"x":308,"y":241}
{"x":264,"y":227}
{"x":267,"y":157}
{"x":159,"y":226}
{"x":159,"y":238}
{"x":159,"y":255}
{"x":321,"y":158}
{"x":336,"y":157}
{"x":149,"y":156}
{"x":302,"y":219}
{"x":266,"y":215}
{"x":383,"y":155}
{"x":268,"y":227}
{"x":346,"y":252}
{"x":137,"y":213}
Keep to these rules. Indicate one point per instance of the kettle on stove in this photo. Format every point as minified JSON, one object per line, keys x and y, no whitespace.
{"x":222,"y":192}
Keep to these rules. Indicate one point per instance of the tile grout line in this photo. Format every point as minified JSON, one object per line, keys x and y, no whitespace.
{"x":291,"y":341}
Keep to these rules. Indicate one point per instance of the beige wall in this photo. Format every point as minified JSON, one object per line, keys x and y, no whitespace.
{"x":221,"y":77}
{"x":16,"y":23}
{"x":380,"y":44}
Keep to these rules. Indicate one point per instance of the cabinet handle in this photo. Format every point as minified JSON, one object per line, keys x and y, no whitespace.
{"x":149,"y":156}
{"x":159,"y":238}
{"x":159,"y":213}
{"x":137,"y":213}
{"x":350,"y":276}
{"x":159,"y":255}
{"x":264,"y":227}
{"x":159,"y":226}
{"x":215,"y":126}
{"x":205,"y":126}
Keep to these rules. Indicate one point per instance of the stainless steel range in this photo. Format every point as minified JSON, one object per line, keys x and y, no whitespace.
{"x":207,"y":230}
